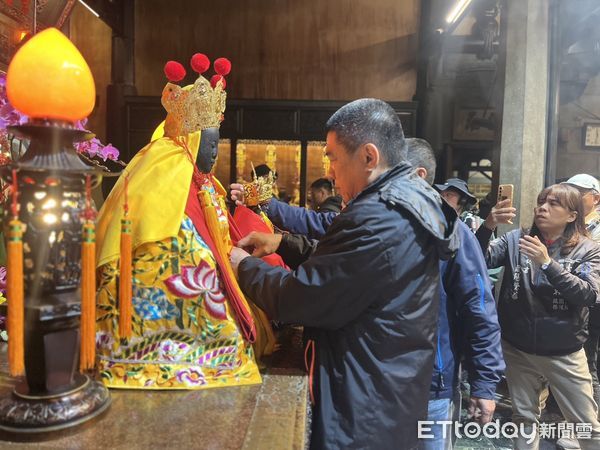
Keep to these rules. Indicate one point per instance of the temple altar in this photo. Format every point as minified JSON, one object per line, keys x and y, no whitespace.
{"x":274,"y":414}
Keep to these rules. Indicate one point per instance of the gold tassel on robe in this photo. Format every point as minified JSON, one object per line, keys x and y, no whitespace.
{"x":265,"y":339}
{"x":87,"y":356}
{"x":125,"y":280}
{"x":15,"y":288}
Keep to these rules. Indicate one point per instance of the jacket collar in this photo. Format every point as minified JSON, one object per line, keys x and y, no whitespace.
{"x":403,"y":187}
{"x":404,"y":168}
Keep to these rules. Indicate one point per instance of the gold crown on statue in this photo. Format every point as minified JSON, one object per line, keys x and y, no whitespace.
{"x":198,"y":106}
{"x":259,"y":190}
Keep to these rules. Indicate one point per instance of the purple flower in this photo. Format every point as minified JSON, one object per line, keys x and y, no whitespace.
{"x":2,"y":279}
{"x":109,"y":151}
{"x":191,"y":377}
{"x":90,"y":148}
{"x":9,"y":115}
{"x":94,"y":147}
{"x":80,"y":124}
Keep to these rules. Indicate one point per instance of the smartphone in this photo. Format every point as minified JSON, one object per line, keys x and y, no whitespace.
{"x":505,"y":191}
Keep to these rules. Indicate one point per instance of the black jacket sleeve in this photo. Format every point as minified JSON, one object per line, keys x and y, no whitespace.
{"x":581,"y":287}
{"x":295,"y":249}
{"x":495,"y":252}
{"x":349,"y":271}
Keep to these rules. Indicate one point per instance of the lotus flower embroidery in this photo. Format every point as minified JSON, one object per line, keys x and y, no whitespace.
{"x":195,"y":281}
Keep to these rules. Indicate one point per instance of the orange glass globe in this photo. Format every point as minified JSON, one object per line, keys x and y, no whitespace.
{"x":48,"y":78}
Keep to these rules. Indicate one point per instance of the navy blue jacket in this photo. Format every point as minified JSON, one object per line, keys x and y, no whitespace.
{"x":468,"y":321}
{"x":307,"y":222}
{"x":370,"y":295}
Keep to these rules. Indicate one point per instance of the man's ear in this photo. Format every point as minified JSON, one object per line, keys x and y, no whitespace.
{"x":421,"y":172}
{"x":371,"y":156}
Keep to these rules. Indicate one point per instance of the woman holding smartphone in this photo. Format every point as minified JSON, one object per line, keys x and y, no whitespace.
{"x":551,"y":276}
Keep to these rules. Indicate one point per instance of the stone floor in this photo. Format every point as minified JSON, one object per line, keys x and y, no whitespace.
{"x":503,"y":413}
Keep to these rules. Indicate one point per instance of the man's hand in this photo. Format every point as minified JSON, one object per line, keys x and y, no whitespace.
{"x":501,"y":213}
{"x":261,"y":244}
{"x":481,"y":409}
{"x":237,"y":193}
{"x":533,"y":248}
{"x":236,"y":257}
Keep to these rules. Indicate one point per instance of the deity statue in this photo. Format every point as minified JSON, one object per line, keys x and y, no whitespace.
{"x":191,"y":326}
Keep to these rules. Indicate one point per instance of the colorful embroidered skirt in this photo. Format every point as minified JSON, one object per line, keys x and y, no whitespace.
{"x":184,"y":334}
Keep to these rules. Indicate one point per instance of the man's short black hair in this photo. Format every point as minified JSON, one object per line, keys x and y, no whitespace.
{"x":369,"y":120}
{"x":420,"y":154}
{"x":322,"y":183}
{"x":262,"y":170}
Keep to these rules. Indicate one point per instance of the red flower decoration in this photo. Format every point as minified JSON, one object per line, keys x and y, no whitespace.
{"x":196,"y":281}
{"x":174,"y":71}
{"x":200,"y":63}
{"x":215,"y":79}
{"x":222,"y":66}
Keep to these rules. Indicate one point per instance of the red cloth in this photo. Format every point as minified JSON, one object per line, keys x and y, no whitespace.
{"x":247,"y":221}
{"x":193,"y":210}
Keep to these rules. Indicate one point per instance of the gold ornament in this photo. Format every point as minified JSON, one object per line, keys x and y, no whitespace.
{"x":193,"y":108}
{"x":259,"y":190}
{"x":240,"y":165}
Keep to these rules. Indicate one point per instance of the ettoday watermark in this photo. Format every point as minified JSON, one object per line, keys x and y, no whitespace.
{"x":509,"y":430}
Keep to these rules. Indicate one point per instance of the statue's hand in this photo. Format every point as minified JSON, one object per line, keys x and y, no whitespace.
{"x":261,"y":244}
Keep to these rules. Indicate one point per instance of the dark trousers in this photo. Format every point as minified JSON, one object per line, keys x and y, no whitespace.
{"x":591,"y":352}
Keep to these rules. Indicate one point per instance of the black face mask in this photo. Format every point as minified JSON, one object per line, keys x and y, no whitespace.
{"x":209,"y":148}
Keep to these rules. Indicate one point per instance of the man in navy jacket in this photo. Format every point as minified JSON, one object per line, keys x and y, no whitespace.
{"x":467,"y":308}
{"x":369,"y":292}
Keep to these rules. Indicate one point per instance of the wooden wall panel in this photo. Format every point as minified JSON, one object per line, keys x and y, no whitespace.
{"x":93,"y":39}
{"x":285,"y":49}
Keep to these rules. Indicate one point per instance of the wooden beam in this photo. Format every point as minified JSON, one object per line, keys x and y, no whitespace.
{"x":111,"y":12}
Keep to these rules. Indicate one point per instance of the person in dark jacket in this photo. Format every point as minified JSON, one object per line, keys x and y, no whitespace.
{"x":323,"y":198}
{"x":370,"y":290}
{"x":589,"y":189}
{"x":551,"y":277}
{"x":467,"y":309}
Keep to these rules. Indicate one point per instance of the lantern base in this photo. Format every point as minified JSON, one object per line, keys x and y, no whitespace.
{"x":27,"y":414}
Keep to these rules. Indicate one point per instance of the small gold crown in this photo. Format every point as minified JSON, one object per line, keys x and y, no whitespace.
{"x":198,"y":106}
{"x":259,"y":190}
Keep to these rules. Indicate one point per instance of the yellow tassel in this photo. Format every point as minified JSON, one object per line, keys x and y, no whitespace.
{"x":266,"y":220}
{"x":213,"y":224}
{"x":125,"y":283}
{"x":87,"y":357}
{"x":265,"y":338}
{"x":15,"y":295}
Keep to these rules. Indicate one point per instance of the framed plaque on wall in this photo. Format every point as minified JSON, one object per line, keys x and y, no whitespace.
{"x":474,"y":124}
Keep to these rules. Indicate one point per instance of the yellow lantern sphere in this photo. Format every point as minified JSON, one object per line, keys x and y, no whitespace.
{"x":49,"y":79}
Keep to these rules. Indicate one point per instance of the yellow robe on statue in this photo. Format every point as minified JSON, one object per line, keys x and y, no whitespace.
{"x":185,"y":335}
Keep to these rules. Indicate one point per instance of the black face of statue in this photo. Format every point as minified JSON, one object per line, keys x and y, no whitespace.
{"x":209,"y":147}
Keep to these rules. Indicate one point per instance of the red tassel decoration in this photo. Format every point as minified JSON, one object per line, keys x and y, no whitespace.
{"x":125,"y":281}
{"x":15,"y":289}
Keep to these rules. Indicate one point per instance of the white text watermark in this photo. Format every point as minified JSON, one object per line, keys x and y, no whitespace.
{"x":429,"y":429}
